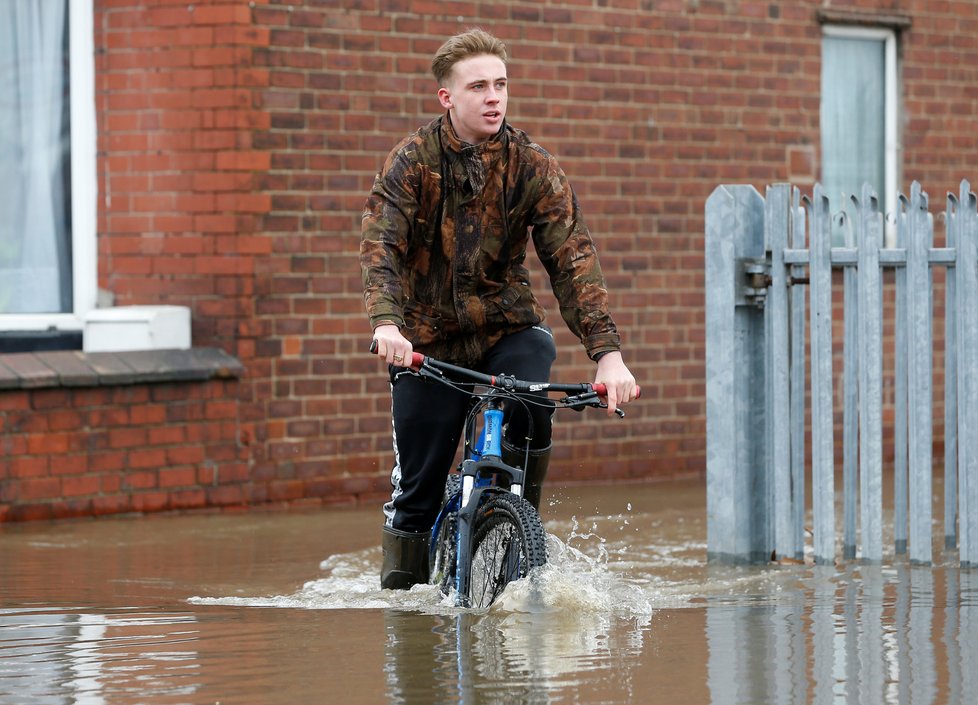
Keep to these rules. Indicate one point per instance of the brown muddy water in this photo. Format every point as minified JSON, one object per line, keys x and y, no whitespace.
{"x":285,"y":608}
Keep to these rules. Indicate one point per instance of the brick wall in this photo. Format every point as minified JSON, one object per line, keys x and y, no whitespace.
{"x":237,"y":141}
{"x":73,"y":452}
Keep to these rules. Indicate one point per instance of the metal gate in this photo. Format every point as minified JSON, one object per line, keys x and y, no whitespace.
{"x":771,"y":384}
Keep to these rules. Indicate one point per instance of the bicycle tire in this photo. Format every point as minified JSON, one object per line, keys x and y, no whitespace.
{"x":442,"y":566}
{"x":508,"y":540}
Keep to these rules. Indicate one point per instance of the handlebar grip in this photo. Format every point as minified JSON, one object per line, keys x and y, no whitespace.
{"x":602,"y":391}
{"x":417,"y":359}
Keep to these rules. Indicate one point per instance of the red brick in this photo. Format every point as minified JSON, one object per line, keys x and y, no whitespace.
{"x":146,"y":458}
{"x":34,"y":488}
{"x":81,"y":485}
{"x":167,"y":435}
{"x":226,"y":495}
{"x":75,"y":464}
{"x":241,"y":160}
{"x":187,"y":499}
{"x":284,"y":490}
{"x":140,"y":480}
{"x":10,"y":401}
{"x":64,"y":420}
{"x":221,"y":410}
{"x":150,"y":501}
{"x":50,"y":399}
{"x":127,"y":437}
{"x":230,"y":13}
{"x":113,"y":504}
{"x":185,"y":455}
{"x":73,"y":508}
{"x":29,"y":511}
{"x":11,"y":445}
{"x":177,"y":477}
{"x":27,"y":466}
{"x":106,"y":461}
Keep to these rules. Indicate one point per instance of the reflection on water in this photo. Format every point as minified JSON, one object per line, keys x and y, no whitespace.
{"x":53,"y":656}
{"x":516,"y":658}
{"x":286,"y":608}
{"x":862,"y":635}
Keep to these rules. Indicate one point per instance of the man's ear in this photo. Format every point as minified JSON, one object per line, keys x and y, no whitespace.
{"x":445,"y":98}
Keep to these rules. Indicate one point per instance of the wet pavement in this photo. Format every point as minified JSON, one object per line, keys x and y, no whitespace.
{"x":284,"y":607}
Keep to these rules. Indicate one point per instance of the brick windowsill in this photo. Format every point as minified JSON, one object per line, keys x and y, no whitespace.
{"x":94,"y":369}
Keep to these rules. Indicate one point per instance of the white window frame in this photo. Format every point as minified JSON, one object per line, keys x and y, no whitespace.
{"x":891,"y":102}
{"x":84,"y":181}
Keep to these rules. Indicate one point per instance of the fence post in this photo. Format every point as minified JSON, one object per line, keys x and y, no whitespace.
{"x":951,"y":383}
{"x":777,"y":226}
{"x":967,"y":292}
{"x":798,"y":387}
{"x":823,"y":471}
{"x":900,"y":353}
{"x":919,"y":362}
{"x":850,"y":400}
{"x":870,"y":338}
{"x":738,"y":486}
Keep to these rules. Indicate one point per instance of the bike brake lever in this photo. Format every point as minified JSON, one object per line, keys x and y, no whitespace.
{"x":581,"y":401}
{"x":619,"y":412}
{"x":427,"y":372}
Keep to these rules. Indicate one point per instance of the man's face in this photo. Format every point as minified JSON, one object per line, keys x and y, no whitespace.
{"x":475,"y":95}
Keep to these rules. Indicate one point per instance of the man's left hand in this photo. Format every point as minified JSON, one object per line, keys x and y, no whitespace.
{"x":614,"y":375}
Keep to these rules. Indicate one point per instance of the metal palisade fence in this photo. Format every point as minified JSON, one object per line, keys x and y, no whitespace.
{"x":773,"y":384}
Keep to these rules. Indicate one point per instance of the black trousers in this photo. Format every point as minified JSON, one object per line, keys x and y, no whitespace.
{"x":429,"y":419}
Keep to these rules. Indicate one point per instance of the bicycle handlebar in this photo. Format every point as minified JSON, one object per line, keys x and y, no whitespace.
{"x":506,"y":382}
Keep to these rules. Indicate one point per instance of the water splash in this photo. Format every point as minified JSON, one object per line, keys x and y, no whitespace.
{"x":574,"y":581}
{"x":582,"y":576}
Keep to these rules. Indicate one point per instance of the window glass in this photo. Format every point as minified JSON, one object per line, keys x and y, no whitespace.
{"x":48,"y":177}
{"x":35,"y":158}
{"x":858,"y":114}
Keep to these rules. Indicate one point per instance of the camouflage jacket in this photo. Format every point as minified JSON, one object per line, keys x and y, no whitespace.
{"x":444,"y":239}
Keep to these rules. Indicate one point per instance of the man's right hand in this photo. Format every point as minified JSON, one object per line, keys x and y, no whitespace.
{"x":392,"y":346}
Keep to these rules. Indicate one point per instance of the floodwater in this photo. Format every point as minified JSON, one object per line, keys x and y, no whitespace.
{"x":285,"y":608}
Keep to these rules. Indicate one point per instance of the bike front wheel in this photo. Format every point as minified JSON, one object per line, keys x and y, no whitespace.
{"x":508,"y":540}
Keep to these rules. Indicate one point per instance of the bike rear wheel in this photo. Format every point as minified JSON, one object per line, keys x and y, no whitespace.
{"x":508,"y":540}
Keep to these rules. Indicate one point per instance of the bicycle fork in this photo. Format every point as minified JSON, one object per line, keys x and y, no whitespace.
{"x":486,"y":460}
{"x":463,"y":556}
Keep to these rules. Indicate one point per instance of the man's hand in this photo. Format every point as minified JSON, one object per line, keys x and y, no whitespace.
{"x":613,"y":373}
{"x":392,"y":346}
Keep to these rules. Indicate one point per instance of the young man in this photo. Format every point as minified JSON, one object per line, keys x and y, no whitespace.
{"x":444,"y":239}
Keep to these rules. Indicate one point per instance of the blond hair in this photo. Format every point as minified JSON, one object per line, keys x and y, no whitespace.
{"x":474,"y":42}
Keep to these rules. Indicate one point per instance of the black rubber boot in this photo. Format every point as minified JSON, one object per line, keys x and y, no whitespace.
{"x":533,"y":474}
{"x":405,"y":559}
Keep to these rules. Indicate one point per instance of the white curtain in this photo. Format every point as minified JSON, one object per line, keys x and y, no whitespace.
{"x":35,"y":203}
{"x":853,"y":117}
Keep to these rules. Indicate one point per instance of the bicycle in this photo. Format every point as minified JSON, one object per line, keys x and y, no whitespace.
{"x":486,"y":534}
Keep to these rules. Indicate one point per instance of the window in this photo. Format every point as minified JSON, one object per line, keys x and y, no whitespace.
{"x":859,"y":114}
{"x":48,"y":276}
